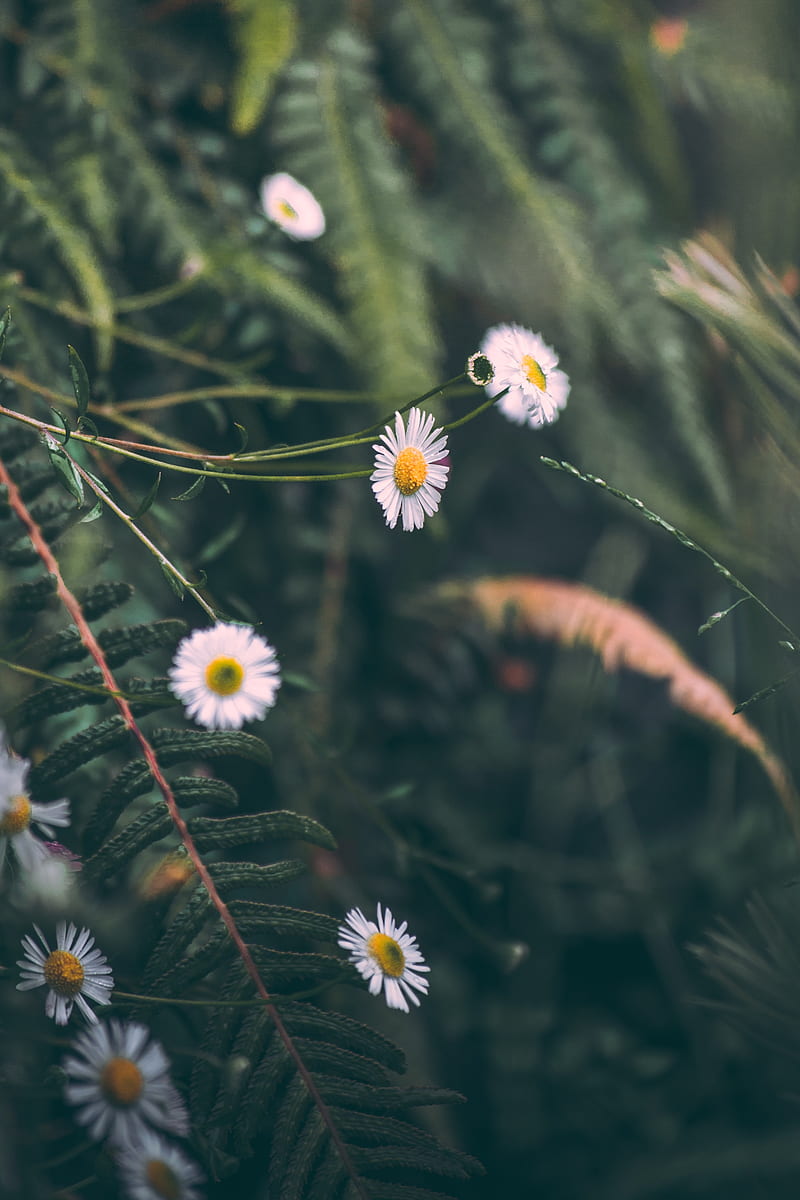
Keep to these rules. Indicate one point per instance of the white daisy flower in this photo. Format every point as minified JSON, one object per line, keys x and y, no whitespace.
{"x":292,"y":206}
{"x":408,"y":469}
{"x":18,"y":812}
{"x":119,"y":1081}
{"x":225,"y":676}
{"x":528,"y":367}
{"x":152,"y":1169}
{"x":72,"y":971}
{"x":385,"y":955}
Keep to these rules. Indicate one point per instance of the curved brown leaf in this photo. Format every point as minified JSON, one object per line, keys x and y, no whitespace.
{"x":572,"y":614}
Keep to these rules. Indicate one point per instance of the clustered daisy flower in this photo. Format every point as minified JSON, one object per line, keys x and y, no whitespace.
{"x":386,"y":956}
{"x":118,"y":1078}
{"x":409,"y":474}
{"x":528,"y":367}
{"x":292,"y":206}
{"x":72,"y":971}
{"x":153,"y":1169}
{"x":18,"y":813}
{"x":225,"y":676}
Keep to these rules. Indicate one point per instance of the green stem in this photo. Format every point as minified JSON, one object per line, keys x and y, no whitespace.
{"x":682,"y":537}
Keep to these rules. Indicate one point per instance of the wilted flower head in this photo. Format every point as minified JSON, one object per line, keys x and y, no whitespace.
{"x":479,"y":369}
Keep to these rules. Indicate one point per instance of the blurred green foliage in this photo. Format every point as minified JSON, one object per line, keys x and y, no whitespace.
{"x":557,"y":839}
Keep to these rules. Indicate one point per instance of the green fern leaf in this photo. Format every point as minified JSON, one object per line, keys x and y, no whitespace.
{"x":265,"y":33}
{"x":23,"y":177}
{"x":326,"y":124}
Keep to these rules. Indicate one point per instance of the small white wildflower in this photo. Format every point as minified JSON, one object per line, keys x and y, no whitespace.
{"x":153,"y":1169}
{"x":225,"y":676}
{"x":528,"y":367}
{"x":386,"y":956}
{"x":292,"y":206}
{"x":72,"y":971}
{"x":409,"y":475}
{"x":118,"y":1079}
{"x":18,"y":812}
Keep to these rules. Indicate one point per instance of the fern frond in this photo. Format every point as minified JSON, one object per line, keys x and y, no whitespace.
{"x":265,"y":33}
{"x":325,"y":121}
{"x":23,"y":178}
{"x":447,"y":51}
{"x":553,"y":85}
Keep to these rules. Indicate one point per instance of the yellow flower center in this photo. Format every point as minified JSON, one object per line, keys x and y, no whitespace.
{"x":410,"y":470}
{"x":163,"y":1180}
{"x":533,"y":372}
{"x":387,"y":954}
{"x":224,"y":676}
{"x":18,"y":817}
{"x":121,"y":1082}
{"x":286,"y":210}
{"x":63,"y":972}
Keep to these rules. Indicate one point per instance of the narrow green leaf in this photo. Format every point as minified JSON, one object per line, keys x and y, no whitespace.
{"x":295,"y":679}
{"x":80,"y":382}
{"x":264,"y":34}
{"x":65,"y":423}
{"x":223,"y":540}
{"x":88,"y":426}
{"x":98,"y":482}
{"x":175,"y":584}
{"x":244,"y":438}
{"x":716,"y":617}
{"x":769,"y":690}
{"x":5,"y":321}
{"x":148,"y":499}
{"x":94,"y":512}
{"x":193,"y":490}
{"x":65,"y":469}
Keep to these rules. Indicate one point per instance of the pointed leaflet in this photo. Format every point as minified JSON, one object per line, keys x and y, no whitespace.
{"x":5,"y":321}
{"x":64,"y":468}
{"x":80,"y":382}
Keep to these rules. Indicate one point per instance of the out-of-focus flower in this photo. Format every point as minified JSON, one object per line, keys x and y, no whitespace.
{"x":118,"y":1079}
{"x":152,"y":1169}
{"x":409,"y":474}
{"x":52,"y":883}
{"x":225,"y":676}
{"x":71,"y":972}
{"x":167,"y":876}
{"x":525,"y":365}
{"x":292,"y":206}
{"x":668,"y":35}
{"x":386,"y":956}
{"x":18,"y":812}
